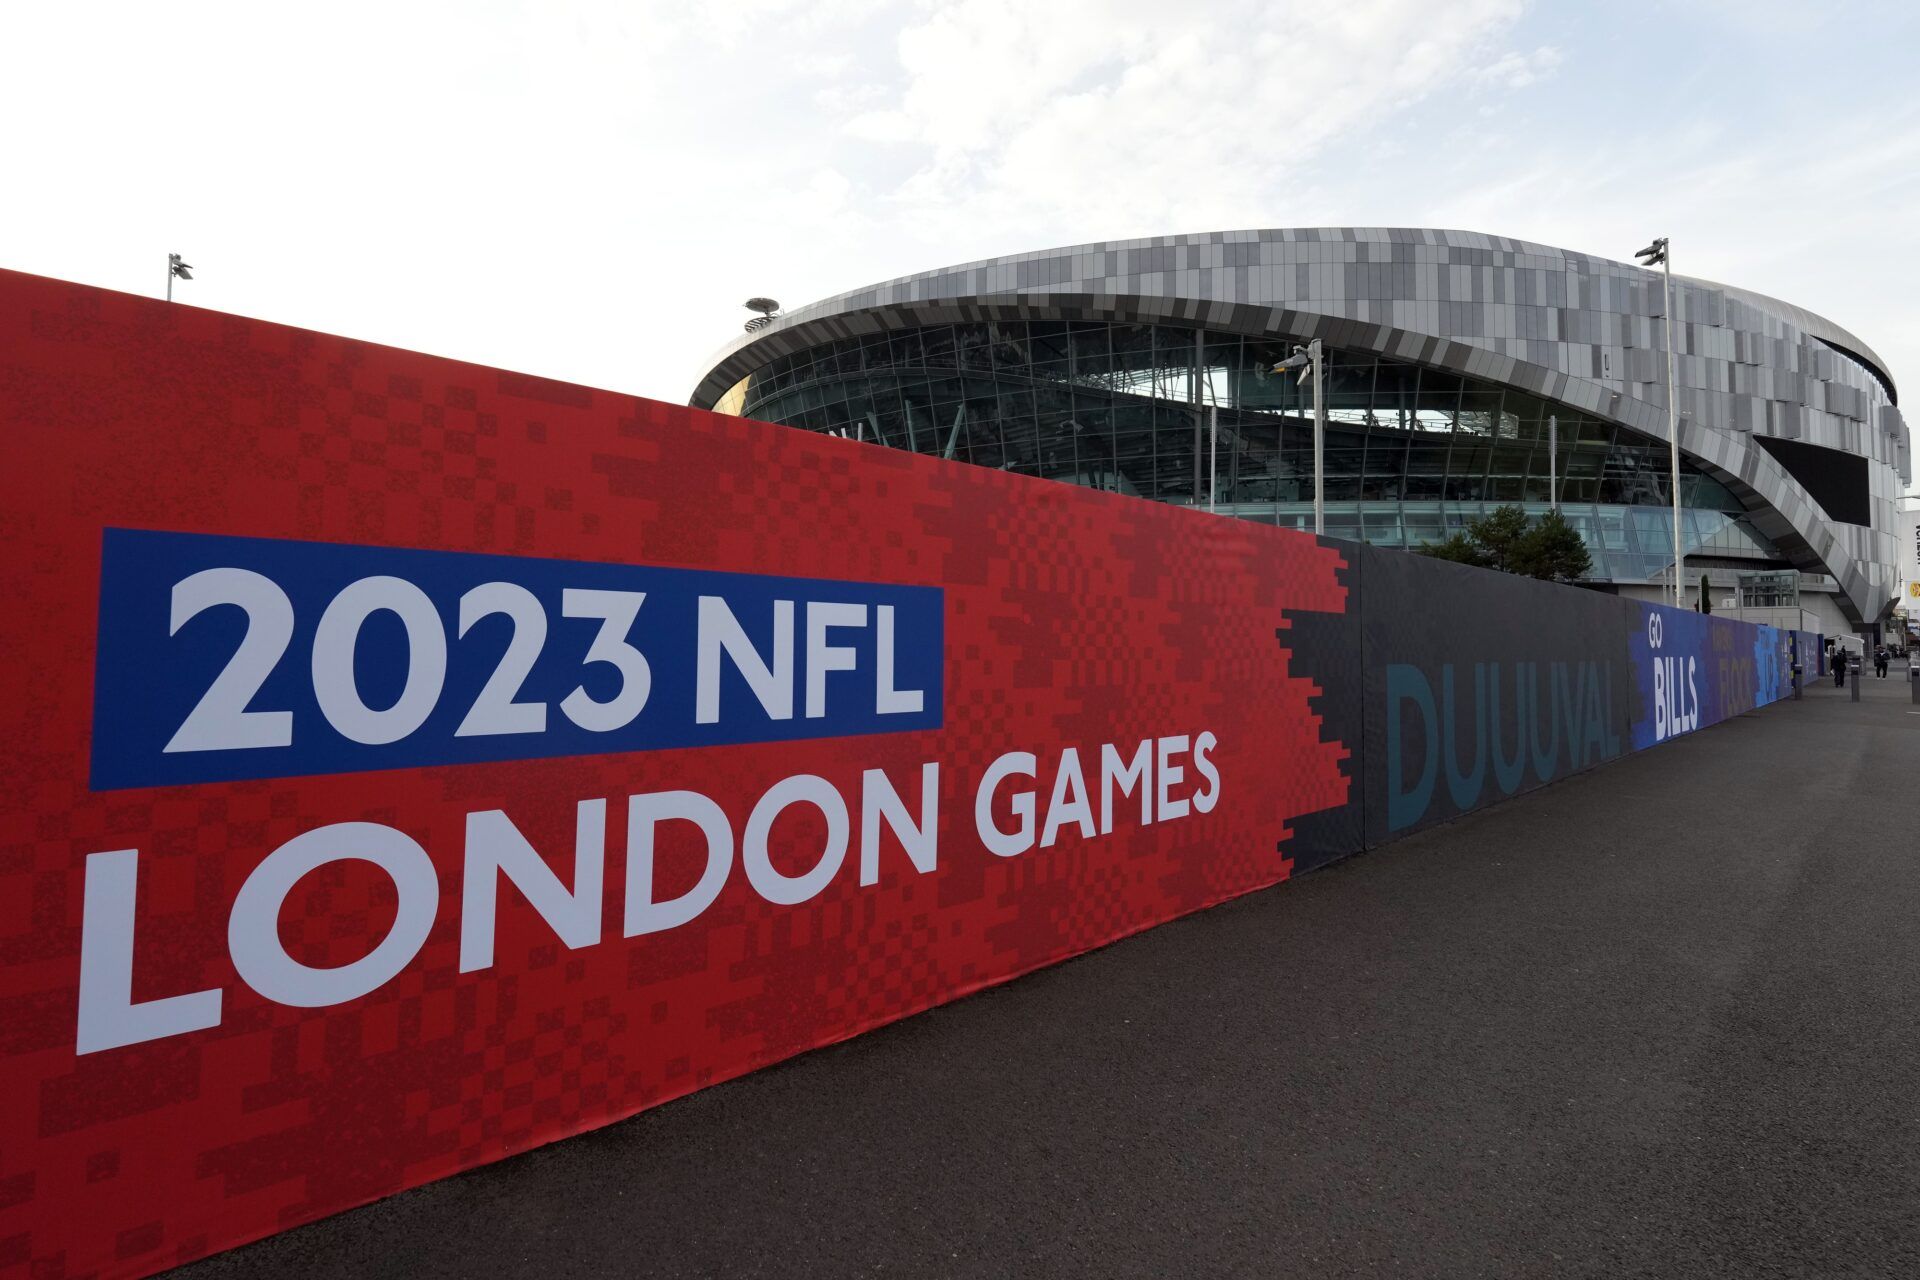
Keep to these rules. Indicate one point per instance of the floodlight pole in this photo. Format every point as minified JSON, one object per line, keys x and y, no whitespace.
{"x":1673,"y":437}
{"x":1312,"y":361}
{"x":170,"y":261}
{"x":1553,"y":462}
{"x":1318,"y":354}
{"x":1213,"y":457}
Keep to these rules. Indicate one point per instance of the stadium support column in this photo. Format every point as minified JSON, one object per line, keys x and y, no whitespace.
{"x":1199,"y":408}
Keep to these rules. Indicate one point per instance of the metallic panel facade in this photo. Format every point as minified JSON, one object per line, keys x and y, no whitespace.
{"x":1579,"y":330}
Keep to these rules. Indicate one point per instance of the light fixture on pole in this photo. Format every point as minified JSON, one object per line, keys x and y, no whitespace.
{"x":767,"y":308}
{"x":1310,"y":360}
{"x":1656,"y":255}
{"x":175,"y":267}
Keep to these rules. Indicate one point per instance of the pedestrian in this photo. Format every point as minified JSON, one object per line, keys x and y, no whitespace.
{"x":1839,"y":666}
{"x":1880,"y":659}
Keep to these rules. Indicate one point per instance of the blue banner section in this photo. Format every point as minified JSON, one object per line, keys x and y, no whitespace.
{"x":224,"y":658}
{"x":1808,"y":648}
{"x":1693,"y":670}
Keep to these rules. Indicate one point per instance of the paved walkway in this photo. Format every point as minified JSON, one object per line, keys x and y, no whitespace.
{"x":1661,"y":1019}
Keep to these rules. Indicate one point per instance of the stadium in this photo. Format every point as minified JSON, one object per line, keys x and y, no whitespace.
{"x":1464,"y":371}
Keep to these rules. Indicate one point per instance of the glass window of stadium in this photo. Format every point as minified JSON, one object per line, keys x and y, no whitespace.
{"x":1411,"y":452}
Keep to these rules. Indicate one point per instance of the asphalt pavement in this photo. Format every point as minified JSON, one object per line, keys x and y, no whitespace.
{"x":1657,"y":1020}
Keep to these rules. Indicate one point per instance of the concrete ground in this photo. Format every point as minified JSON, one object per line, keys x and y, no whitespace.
{"x":1659,"y":1020}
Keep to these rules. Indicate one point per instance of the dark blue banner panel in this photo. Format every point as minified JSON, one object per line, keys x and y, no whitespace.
{"x":226,"y":658}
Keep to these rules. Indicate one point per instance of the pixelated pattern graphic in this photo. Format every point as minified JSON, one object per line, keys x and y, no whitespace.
{"x":1073,"y":619}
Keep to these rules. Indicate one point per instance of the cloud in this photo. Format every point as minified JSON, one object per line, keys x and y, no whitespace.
{"x":587,"y":188}
{"x":1515,"y":70}
{"x":881,"y":126}
{"x":1121,"y":113}
{"x":844,"y":99}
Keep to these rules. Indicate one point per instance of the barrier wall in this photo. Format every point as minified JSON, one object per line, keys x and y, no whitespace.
{"x":1480,"y":686}
{"x":1808,"y":648}
{"x":414,"y":762}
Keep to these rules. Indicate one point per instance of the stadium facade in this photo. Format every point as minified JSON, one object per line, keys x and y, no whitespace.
{"x":1464,"y":371}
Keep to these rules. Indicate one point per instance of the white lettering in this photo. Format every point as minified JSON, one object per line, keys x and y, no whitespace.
{"x":495,"y":710}
{"x":109,"y":1018}
{"x":616,"y":611}
{"x":1659,"y":699}
{"x":1204,"y":801}
{"x":771,"y":684}
{"x":220,"y":720}
{"x":644,"y":812}
{"x":878,"y":800}
{"x":338,"y":634}
{"x":1006,"y":844}
{"x":776,"y":887}
{"x":253,"y":930}
{"x":1069,"y":800}
{"x":495,"y":847}
{"x":1170,"y":776}
{"x":1135,"y":773}
{"x":888,"y":700}
{"x":823,"y":657}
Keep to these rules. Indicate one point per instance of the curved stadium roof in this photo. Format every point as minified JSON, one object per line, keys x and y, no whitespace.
{"x":1582,"y":330}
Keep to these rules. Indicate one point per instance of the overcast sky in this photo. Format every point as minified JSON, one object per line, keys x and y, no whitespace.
{"x":590,"y":190}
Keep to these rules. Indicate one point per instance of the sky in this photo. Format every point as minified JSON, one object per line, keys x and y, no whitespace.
{"x":590,"y":191}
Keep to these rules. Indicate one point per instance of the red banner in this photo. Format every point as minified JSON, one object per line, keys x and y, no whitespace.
{"x":412,"y":762}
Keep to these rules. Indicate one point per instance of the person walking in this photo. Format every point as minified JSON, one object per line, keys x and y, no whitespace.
{"x":1839,"y":666}
{"x":1880,"y":659}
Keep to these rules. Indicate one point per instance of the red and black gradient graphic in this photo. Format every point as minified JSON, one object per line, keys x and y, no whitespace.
{"x":1327,"y":645}
{"x":1072,"y":620}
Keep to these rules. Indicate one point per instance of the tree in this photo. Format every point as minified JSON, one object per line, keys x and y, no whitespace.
{"x":1706,"y":605}
{"x":1555,"y":551}
{"x":1505,"y":539}
{"x":1461,"y":550}
{"x":1502,"y":534}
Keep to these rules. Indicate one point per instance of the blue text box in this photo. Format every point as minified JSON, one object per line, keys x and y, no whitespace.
{"x":150,"y":678}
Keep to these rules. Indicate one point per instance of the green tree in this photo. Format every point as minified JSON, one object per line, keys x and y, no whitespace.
{"x":1555,"y":551}
{"x":1548,"y":548}
{"x":1461,"y":550}
{"x":1502,"y":534}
